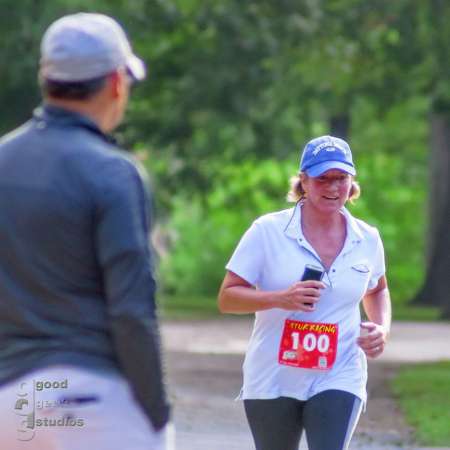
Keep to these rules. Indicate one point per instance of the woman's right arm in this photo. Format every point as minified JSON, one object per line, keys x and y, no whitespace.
{"x":237,"y":296}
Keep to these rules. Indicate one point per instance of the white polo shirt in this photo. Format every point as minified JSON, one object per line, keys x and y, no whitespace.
{"x":272,"y":255}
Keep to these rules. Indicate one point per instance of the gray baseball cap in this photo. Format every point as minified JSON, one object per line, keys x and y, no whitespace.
{"x":83,"y":46}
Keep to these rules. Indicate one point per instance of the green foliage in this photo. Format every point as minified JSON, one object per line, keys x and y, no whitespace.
{"x":234,"y":91}
{"x":424,"y":395}
{"x":207,"y":228}
{"x":22,"y":25}
{"x":392,"y":163}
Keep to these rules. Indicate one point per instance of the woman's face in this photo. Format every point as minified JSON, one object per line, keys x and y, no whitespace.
{"x":328,"y":192}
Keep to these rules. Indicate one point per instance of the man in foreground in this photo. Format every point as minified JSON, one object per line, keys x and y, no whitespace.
{"x":80,"y":363}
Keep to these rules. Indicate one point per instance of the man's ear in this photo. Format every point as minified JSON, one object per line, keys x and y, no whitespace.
{"x":116,"y":83}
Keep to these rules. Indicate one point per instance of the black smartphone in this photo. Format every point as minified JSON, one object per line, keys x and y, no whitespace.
{"x":312,"y":273}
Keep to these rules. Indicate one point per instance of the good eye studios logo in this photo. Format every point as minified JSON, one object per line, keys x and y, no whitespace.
{"x":36,"y":410}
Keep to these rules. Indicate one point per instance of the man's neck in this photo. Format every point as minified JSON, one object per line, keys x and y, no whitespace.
{"x":85,"y":108}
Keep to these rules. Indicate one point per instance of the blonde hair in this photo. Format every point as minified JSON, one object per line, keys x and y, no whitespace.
{"x":297,"y":193}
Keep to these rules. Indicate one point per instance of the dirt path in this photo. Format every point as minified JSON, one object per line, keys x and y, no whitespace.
{"x":204,"y":361}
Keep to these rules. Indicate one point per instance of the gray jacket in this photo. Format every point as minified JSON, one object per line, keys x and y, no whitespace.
{"x":76,"y":283}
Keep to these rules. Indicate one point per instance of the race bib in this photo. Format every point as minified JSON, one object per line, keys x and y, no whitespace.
{"x":308,"y":345}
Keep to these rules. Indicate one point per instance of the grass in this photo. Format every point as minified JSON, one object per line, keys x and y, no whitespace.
{"x":407,"y":312}
{"x":423,"y":392}
{"x":178,"y":307}
{"x":190,"y":307}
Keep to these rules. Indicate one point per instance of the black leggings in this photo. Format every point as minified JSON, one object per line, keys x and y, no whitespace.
{"x":328,"y":418}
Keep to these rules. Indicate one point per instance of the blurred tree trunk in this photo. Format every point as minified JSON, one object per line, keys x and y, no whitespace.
{"x":439,"y":125}
{"x":436,"y":288}
{"x":340,"y":126}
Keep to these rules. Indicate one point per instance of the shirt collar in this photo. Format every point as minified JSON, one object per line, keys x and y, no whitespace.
{"x":51,"y":114}
{"x":293,"y":227}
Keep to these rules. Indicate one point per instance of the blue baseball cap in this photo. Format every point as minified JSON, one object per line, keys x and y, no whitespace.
{"x":326,"y":153}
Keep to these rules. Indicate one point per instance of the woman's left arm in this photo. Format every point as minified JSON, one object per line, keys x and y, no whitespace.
{"x":377,"y":305}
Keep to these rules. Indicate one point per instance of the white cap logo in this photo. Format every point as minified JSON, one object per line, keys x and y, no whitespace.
{"x":331,"y":146}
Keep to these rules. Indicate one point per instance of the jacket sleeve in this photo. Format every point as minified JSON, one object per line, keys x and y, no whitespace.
{"x":122,"y":225}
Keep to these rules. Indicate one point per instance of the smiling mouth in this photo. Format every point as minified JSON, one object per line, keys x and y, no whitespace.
{"x":330,"y":198}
